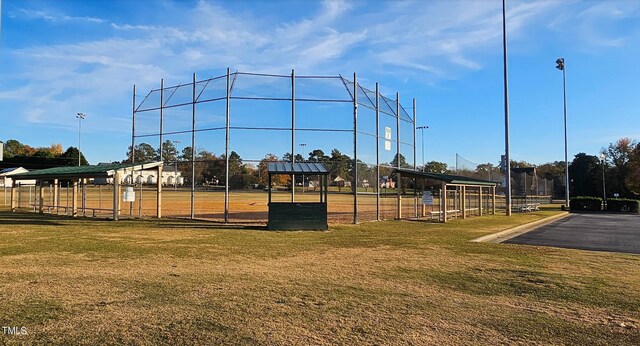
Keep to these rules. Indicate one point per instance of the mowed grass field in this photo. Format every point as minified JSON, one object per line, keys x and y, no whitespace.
{"x":151,"y":282}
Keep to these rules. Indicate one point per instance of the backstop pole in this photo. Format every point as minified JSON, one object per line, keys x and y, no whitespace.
{"x":161,"y":117}
{"x":355,"y":148}
{"x":399,"y":182}
{"x":293,"y":133}
{"x":226,"y":148}
{"x":415,"y":190}
{"x":377,"y":152}
{"x":193,"y":148}
{"x":133,"y":126}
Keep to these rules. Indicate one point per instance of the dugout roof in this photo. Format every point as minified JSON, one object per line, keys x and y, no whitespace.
{"x":90,"y":171}
{"x":447,"y":178}
{"x":297,"y":168}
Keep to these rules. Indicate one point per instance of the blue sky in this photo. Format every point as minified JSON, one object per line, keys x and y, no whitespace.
{"x":58,"y":58}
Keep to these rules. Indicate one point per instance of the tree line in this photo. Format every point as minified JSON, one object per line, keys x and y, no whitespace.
{"x":17,"y":154}
{"x":621,"y":166}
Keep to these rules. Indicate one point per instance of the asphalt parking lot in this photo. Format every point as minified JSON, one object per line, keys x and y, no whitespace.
{"x":598,"y":232}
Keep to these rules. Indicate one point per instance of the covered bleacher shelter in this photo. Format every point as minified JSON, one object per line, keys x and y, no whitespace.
{"x":459,"y":196}
{"x":76,"y":175}
{"x":296,"y":215}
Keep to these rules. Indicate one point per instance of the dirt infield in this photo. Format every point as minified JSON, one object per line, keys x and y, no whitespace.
{"x":245,"y":206}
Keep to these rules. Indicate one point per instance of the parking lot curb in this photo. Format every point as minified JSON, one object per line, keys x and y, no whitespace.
{"x":507,"y":234}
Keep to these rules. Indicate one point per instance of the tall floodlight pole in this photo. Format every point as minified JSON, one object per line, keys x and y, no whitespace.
{"x":421,"y":128}
{"x":506,"y":110}
{"x":604,"y":184}
{"x":561,"y":66}
{"x":80,"y":117}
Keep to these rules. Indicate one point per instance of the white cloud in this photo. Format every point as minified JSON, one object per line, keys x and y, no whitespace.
{"x":52,"y":16}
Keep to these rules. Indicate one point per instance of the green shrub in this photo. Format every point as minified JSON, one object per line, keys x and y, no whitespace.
{"x":622,"y":204}
{"x":585,"y":203}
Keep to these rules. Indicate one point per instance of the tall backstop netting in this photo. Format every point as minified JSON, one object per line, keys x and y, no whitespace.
{"x":216,"y":136}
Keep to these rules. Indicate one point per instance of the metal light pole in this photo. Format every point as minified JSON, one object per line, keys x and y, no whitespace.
{"x":561,"y":66}
{"x":604,"y":184}
{"x":421,"y":128}
{"x":80,"y":117}
{"x":506,"y":111}
{"x":175,"y":167}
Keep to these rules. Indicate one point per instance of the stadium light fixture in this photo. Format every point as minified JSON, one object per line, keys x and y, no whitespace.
{"x":603,"y":157}
{"x":80,"y":117}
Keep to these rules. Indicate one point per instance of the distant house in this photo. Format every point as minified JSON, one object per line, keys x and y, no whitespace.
{"x":6,"y":173}
{"x":340,"y":182}
{"x":170,"y":177}
{"x":387,"y":183}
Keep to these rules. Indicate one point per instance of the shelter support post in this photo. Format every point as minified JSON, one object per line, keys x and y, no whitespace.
{"x":443,"y":201}
{"x":326,"y":188}
{"x":116,"y":195}
{"x":464,"y":201}
{"x":74,"y":198}
{"x":159,"y":193}
{"x":84,"y":195}
{"x":479,"y":200}
{"x":415,"y":198}
{"x":56,"y":192}
{"x":493,"y":200}
{"x":269,"y":188}
{"x":41,"y":197}
{"x":12,"y":203}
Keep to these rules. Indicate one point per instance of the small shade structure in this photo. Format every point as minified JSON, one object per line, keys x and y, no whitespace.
{"x":76,"y":174}
{"x":465,"y":188}
{"x":298,"y":215}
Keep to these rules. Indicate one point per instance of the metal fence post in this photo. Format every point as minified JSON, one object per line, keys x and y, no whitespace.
{"x":377,"y":152}
{"x":226,"y":149}
{"x":355,"y":148}
{"x":133,"y":126}
{"x":293,"y":133}
{"x":193,"y":149}
{"x":161,"y":118}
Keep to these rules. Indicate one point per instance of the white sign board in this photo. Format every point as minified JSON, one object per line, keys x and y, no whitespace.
{"x":387,"y":145}
{"x":427,"y":198}
{"x":129,"y":195}
{"x":387,"y":133}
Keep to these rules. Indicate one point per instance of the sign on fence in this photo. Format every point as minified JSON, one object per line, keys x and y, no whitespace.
{"x":427,"y":198}
{"x":387,"y":138}
{"x":129,"y":195}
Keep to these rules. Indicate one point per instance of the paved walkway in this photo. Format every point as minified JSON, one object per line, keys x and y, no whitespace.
{"x":599,"y":232}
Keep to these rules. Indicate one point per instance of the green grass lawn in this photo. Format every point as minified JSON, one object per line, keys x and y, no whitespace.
{"x":399,"y":282}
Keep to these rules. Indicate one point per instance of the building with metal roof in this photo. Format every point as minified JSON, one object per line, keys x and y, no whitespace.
{"x":78,"y":174}
{"x":7,"y":173}
{"x":456,"y":193}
